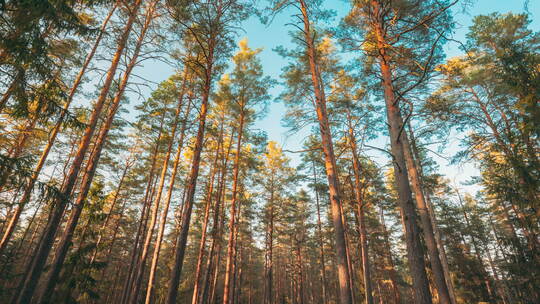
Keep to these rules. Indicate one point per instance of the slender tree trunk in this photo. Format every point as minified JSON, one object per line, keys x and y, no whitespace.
{"x":237,"y":259}
{"x":52,"y":138}
{"x":65,"y":241}
{"x":25,"y":293}
{"x":392,"y":269}
{"x":361,"y":214}
{"x":500,"y":287}
{"x":300,"y":273}
{"x":483,"y":273}
{"x":165,"y":211}
{"x":218,"y":222}
{"x":433,"y":218}
{"x":345,"y":296}
{"x":113,"y":240}
{"x":239,"y":278}
{"x":142,"y":222}
{"x":415,"y":251}
{"x":509,"y":292}
{"x":269,"y":249}
{"x":141,"y":264}
{"x":427,"y":225}
{"x":198,"y":268}
{"x":111,"y":210}
{"x":321,"y":241}
{"x":180,"y":249}
{"x":230,"y":248}
{"x":348,"y":254}
{"x":213,"y":287}
{"x":250,"y":283}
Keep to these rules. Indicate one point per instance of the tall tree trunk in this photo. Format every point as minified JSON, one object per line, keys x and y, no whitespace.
{"x":165,"y":211}
{"x":209,"y":195}
{"x":345,"y":296}
{"x":361,"y":213}
{"x":25,"y":198}
{"x":433,"y":218}
{"x":239,"y":276}
{"x":148,"y":197}
{"x":111,"y":210}
{"x":213,"y":287}
{"x":269,"y":249}
{"x":30,"y":281}
{"x":320,"y":239}
{"x":66,"y":238}
{"x":141,"y":263}
{"x":484,"y":273}
{"x":427,"y":225}
{"x":392,"y":273}
{"x":415,"y":251}
{"x":237,"y":258}
{"x":217,"y":229}
{"x":232,"y":221}
{"x":180,"y":249}
{"x":300,"y":274}
{"x":501,"y":290}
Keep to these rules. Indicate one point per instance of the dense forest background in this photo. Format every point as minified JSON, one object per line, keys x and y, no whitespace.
{"x":376,"y":151}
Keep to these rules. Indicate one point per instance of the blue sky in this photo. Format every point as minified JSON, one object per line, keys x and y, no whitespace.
{"x":269,"y":37}
{"x":276,"y":34}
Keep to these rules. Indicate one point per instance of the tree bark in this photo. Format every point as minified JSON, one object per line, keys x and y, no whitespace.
{"x":165,"y":211}
{"x":172,"y":292}
{"x":321,"y":241}
{"x":415,"y":251}
{"x":198,"y":268}
{"x":345,"y":296}
{"x":30,"y":281}
{"x":232,"y":221}
{"x":361,"y":214}
{"x":141,"y":263}
{"x":25,"y":198}
{"x":427,"y":225}
{"x":392,"y":273}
